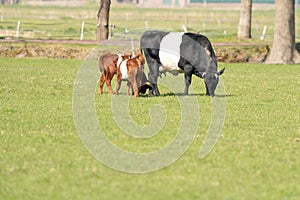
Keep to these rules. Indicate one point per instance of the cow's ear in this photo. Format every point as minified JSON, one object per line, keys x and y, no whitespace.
{"x":221,"y":71}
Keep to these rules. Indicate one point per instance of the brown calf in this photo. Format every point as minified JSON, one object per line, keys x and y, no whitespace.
{"x":108,"y":66}
{"x":132,"y":71}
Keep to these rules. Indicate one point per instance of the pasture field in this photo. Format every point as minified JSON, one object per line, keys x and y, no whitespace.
{"x":217,"y":22}
{"x":42,"y":156}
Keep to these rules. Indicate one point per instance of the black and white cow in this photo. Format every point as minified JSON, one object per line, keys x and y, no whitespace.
{"x":176,"y":52}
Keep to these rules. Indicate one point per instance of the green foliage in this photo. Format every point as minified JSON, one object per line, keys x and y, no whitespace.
{"x":42,"y":157}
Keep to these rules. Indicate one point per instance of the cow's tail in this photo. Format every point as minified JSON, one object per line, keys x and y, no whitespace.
{"x":212,"y":54}
{"x":142,"y":52}
{"x":104,"y":72}
{"x":102,"y":68}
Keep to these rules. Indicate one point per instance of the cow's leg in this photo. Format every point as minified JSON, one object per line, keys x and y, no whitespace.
{"x":188,"y":72}
{"x":153,"y":76}
{"x":152,"y":58}
{"x":139,"y":75}
{"x":102,"y":80}
{"x":207,"y":92}
{"x":155,"y":89}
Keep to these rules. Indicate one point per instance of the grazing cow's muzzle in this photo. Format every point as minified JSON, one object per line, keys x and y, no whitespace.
{"x":211,"y":81}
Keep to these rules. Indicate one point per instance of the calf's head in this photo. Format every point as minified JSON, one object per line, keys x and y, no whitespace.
{"x":211,"y":80}
{"x":140,"y":59}
{"x":126,"y":56}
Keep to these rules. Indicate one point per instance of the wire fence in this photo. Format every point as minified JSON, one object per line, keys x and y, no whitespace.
{"x":63,"y":31}
{"x":80,"y":23}
{"x":84,"y":30}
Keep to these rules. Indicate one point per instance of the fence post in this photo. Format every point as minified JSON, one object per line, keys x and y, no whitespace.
{"x":18,"y":28}
{"x":132,"y":48}
{"x":219,"y":23}
{"x":264,"y":33}
{"x":111,"y":31}
{"x":82,"y":29}
{"x":184,"y":28}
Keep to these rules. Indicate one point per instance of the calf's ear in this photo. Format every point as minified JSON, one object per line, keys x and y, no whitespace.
{"x":221,"y":71}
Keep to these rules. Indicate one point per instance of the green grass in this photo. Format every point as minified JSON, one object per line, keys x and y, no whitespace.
{"x":42,"y":157}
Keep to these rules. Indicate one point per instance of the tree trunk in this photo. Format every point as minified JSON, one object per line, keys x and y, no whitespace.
{"x":284,"y":47}
{"x":244,"y":28}
{"x":103,"y":20}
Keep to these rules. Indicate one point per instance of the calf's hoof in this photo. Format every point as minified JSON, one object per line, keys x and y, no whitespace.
{"x":136,"y":93}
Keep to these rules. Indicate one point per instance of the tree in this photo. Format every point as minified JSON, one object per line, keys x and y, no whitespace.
{"x":244,"y":28}
{"x":284,"y":47}
{"x":103,"y":20}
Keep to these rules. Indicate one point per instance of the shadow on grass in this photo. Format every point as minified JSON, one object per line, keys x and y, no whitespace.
{"x":181,"y":94}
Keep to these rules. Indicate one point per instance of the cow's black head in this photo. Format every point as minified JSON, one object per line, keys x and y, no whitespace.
{"x":211,"y":80}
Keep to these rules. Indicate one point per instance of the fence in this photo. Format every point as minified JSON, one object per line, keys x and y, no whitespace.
{"x":84,"y":30}
{"x":20,"y":29}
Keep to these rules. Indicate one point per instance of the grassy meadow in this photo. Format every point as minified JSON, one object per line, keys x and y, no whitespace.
{"x":42,"y":156}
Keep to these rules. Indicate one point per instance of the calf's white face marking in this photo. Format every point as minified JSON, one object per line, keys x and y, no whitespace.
{"x":169,"y":53}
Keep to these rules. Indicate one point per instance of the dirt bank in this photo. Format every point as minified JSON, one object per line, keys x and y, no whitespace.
{"x":225,"y":53}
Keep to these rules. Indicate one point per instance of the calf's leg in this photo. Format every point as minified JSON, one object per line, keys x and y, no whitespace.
{"x":134,"y":87}
{"x":133,"y":76}
{"x":102,"y":80}
{"x":129,"y":86}
{"x":118,"y":86}
{"x":108,"y":79}
{"x":119,"y":79}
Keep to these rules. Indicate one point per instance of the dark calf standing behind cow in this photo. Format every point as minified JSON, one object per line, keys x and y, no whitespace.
{"x":177,"y":52}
